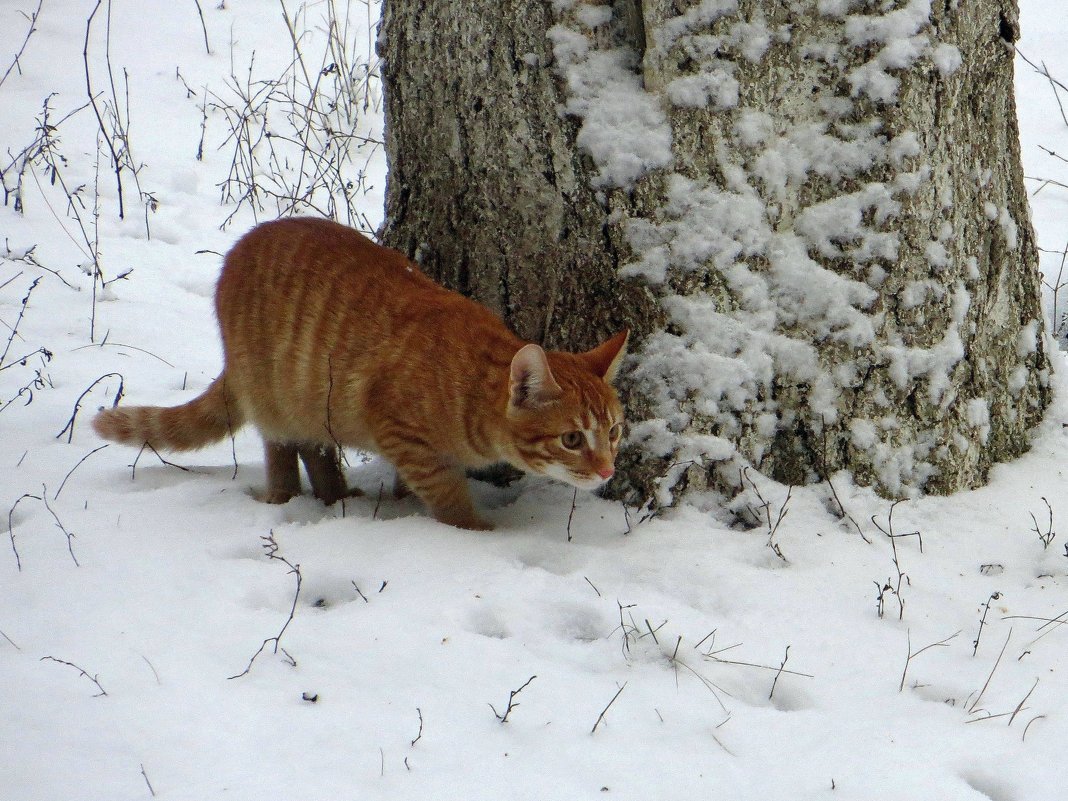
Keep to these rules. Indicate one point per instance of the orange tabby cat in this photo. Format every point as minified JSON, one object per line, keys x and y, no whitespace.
{"x":331,"y":340}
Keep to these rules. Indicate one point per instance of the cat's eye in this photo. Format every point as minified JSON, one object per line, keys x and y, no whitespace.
{"x":572,"y":440}
{"x":615,"y":432}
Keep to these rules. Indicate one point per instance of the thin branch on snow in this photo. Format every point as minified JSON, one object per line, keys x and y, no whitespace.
{"x":994,"y":596}
{"x":145,"y":775}
{"x":30,"y":31}
{"x":605,"y":710}
{"x":419,"y":736}
{"x":978,"y":698}
{"x":11,"y":641}
{"x":913,"y":654}
{"x":512,"y":704}
{"x":764,"y":511}
{"x":133,"y":467}
{"x":902,"y":576}
{"x":68,"y":429}
{"x":779,"y":672}
{"x":271,"y":547}
{"x":70,"y":472}
{"x":82,"y":671}
{"x":826,"y":475}
{"x":43,"y":498}
{"x":1049,"y":535}
{"x":571,"y":514}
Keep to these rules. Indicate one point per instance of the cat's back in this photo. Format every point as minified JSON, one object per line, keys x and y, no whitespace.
{"x":301,"y":281}
{"x":305,"y":253}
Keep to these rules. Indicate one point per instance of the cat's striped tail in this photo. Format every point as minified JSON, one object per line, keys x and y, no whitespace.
{"x":204,"y":420}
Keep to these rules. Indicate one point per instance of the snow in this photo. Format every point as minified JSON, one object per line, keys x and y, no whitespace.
{"x":751,"y":234}
{"x":623,"y":128}
{"x":405,"y":631}
{"x":947,"y":59}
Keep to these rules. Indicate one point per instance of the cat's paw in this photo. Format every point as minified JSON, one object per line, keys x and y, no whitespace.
{"x":333,"y":496}
{"x":471,"y":522}
{"x":273,"y":496}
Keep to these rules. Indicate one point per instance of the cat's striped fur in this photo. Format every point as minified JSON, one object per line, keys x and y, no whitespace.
{"x":331,"y":340}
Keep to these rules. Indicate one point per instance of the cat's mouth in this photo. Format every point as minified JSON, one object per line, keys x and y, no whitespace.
{"x":587,"y":482}
{"x":584,"y":481}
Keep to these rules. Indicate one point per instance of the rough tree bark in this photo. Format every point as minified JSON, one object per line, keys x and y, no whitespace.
{"x":811,"y":214}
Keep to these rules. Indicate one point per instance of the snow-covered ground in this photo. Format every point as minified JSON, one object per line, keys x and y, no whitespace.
{"x":674,"y":658}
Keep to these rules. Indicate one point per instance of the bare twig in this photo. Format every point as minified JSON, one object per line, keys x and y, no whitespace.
{"x":1028,"y":726}
{"x":203,"y":27}
{"x":512,"y":703}
{"x":38,"y":381}
{"x":825,"y":470}
{"x":764,"y":510}
{"x":63,"y":483}
{"x":18,"y":320}
{"x":270,"y":545}
{"x":43,"y":498}
{"x":902,"y":577}
{"x":982,"y":621}
{"x":152,"y":791}
{"x":978,"y":698}
{"x":628,"y":631}
{"x":27,"y":256}
{"x":605,"y":710}
{"x":419,"y":736}
{"x":11,"y":525}
{"x":1047,"y":537}
{"x":378,"y":501}
{"x":714,"y":657}
{"x":152,"y":668}
{"x":1020,"y":706}
{"x":22,"y":48}
{"x":571,"y":514}
{"x":59,"y":525}
{"x":912,"y":655}
{"x":778,"y":673}
{"x":677,"y":662}
{"x":11,"y":280}
{"x":1055,"y":289}
{"x":297,"y":138}
{"x":133,"y":467}
{"x":68,"y":429}
{"x":11,"y":641}
{"x":116,"y":161}
{"x":83,"y":672}
{"x":104,"y":343}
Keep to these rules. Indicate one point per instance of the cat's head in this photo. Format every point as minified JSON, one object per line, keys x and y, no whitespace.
{"x":564,"y":416}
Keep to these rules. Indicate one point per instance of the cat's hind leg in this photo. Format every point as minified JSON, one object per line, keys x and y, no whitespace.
{"x":283,"y":478}
{"x":323,"y":464}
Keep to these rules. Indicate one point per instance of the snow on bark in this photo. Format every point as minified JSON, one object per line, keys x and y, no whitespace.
{"x":810,"y":214}
{"x":830,"y":212}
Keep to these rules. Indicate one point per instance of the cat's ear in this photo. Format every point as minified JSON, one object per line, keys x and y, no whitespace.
{"x":606,"y":358}
{"x":531,"y":383}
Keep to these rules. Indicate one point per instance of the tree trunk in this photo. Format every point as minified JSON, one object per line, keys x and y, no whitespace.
{"x":811,"y":215}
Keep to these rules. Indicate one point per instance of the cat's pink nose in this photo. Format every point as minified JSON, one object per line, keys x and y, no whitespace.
{"x":606,"y":472}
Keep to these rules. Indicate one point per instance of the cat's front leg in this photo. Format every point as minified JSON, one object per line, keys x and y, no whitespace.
{"x":438,"y":480}
{"x":444,"y":490}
